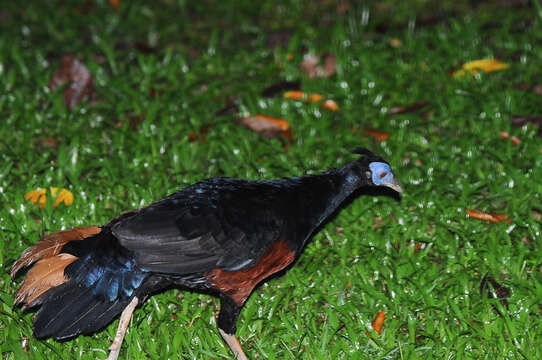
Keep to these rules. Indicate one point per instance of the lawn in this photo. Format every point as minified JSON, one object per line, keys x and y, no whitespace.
{"x":163,"y":70}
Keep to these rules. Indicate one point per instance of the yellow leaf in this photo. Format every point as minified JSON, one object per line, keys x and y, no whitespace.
{"x":39,"y":197}
{"x":396,"y":43}
{"x":64,"y":196}
{"x":36,"y":196}
{"x":487,"y":65}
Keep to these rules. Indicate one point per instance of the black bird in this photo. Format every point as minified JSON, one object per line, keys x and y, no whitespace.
{"x":221,"y":235}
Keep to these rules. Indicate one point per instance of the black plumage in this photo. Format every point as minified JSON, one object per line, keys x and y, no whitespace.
{"x":222,"y":235}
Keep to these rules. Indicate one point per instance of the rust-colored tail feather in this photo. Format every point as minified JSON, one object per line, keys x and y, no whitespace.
{"x":44,"y":275}
{"x":51,"y":245}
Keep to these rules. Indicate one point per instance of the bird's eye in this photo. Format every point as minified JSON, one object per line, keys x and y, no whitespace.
{"x":383,"y":174}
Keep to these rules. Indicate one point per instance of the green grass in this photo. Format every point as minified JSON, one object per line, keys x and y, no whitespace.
{"x":322,"y":308}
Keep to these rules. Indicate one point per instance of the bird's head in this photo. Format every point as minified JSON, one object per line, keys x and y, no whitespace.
{"x":375,"y":171}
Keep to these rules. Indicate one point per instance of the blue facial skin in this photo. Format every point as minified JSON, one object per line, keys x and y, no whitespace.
{"x":377,"y":168}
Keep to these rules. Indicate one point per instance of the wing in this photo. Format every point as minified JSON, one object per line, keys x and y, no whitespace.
{"x":201,"y":228}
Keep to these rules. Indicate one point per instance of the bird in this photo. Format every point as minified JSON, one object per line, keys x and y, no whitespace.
{"x":222,"y":236}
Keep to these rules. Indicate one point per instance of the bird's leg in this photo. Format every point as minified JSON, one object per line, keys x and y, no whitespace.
{"x":227,"y":325}
{"x":234,"y":345}
{"x":121,"y":331}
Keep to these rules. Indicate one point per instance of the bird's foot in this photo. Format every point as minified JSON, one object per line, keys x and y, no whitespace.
{"x":234,"y":345}
{"x":121,"y":331}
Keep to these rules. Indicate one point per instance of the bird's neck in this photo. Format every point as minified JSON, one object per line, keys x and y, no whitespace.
{"x":323,"y":194}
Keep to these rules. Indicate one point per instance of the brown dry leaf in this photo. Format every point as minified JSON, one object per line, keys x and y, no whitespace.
{"x":378,"y":323}
{"x":377,"y":135}
{"x":520,"y":120}
{"x":495,"y":291}
{"x":330,"y":65}
{"x":47,"y":142}
{"x":407,"y":108}
{"x":115,"y":4}
{"x":492,"y":217}
{"x":311,"y":65}
{"x":200,"y":135}
{"x":267,"y":126}
{"x":77,"y":76}
{"x":487,"y":65}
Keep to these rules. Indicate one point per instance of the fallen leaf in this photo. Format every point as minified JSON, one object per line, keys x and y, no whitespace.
{"x":77,"y":76}
{"x":47,"y":142}
{"x":487,"y":65}
{"x":267,"y":126}
{"x":520,"y":120}
{"x":407,"y":108}
{"x":378,"y":323}
{"x":39,"y":197}
{"x":396,"y":43}
{"x":493,"y":217}
{"x":495,"y":291}
{"x":311,"y":67}
{"x":330,"y":65}
{"x":300,"y":95}
{"x":515,"y":140}
{"x":115,"y":4}
{"x":378,"y":135}
{"x":276,"y":88}
{"x":330,"y":105}
{"x":200,"y":135}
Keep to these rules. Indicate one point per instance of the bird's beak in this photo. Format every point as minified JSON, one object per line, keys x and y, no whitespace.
{"x":394,"y":185}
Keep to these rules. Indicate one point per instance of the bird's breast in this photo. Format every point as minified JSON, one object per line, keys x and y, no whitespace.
{"x":240,"y":283}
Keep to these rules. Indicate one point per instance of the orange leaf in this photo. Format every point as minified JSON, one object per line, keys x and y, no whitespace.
{"x":115,"y":4}
{"x":300,"y":95}
{"x":378,"y":135}
{"x":330,"y":105}
{"x":282,"y":124}
{"x":379,"y":322}
{"x":515,"y":140}
{"x":493,"y":217}
{"x":295,"y":95}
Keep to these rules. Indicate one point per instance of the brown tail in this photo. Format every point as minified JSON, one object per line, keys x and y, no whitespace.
{"x":50,"y":246}
{"x":48,"y":272}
